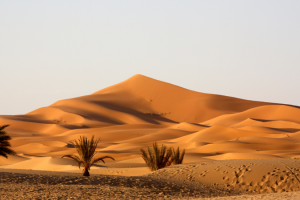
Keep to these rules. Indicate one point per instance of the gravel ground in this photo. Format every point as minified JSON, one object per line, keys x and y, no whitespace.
{"x":30,"y":184}
{"x":74,"y":186}
{"x":271,"y":196}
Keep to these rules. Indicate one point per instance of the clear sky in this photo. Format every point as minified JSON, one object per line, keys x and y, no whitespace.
{"x":52,"y":50}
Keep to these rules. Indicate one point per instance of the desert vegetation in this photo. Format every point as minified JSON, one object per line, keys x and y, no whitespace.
{"x":4,"y":142}
{"x":157,"y":157}
{"x":87,"y":151}
{"x":177,"y":156}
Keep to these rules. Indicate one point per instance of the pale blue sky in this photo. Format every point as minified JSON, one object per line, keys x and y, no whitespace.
{"x":52,"y":50}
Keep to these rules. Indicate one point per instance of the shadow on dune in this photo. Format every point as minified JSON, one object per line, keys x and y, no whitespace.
{"x":143,"y":116}
{"x":90,"y":115}
{"x":27,"y":118}
{"x":262,"y":120}
{"x":289,"y":130}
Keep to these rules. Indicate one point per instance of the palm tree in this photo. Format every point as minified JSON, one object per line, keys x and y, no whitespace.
{"x":4,"y":143}
{"x":87,"y":151}
{"x":157,"y":158}
{"x":177,"y":156}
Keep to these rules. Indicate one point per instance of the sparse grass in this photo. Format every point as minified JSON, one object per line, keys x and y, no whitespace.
{"x":177,"y":156}
{"x":158,"y":158}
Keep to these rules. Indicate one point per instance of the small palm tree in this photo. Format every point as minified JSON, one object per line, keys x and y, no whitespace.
{"x":4,"y":143}
{"x":177,"y":156}
{"x":157,"y":158}
{"x":87,"y":151}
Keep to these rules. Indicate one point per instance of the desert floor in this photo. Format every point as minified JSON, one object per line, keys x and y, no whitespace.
{"x":229,"y":179}
{"x":49,"y":185}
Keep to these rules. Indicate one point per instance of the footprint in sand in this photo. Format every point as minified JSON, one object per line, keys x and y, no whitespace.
{"x":218,"y":168}
{"x":253,"y":183}
{"x":204,"y":173}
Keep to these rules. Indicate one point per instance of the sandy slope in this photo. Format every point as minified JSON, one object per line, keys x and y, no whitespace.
{"x":139,"y":111}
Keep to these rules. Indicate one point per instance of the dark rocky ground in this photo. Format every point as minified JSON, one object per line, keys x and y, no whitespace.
{"x":29,"y":184}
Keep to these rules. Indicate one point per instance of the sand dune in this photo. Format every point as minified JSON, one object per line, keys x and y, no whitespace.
{"x":12,"y":159}
{"x":271,"y":175}
{"x":262,"y":113}
{"x":139,"y":111}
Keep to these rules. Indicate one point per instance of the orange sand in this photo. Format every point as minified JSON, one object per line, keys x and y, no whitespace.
{"x":139,"y":111}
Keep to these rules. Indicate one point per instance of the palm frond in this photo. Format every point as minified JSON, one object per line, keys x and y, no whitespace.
{"x":3,"y":154}
{"x":101,"y":159}
{"x":86,"y":148}
{"x":74,"y":157}
{"x":4,"y":140}
{"x":4,"y":143}
{"x":3,"y":127}
{"x":4,"y":151}
{"x":145,"y":156}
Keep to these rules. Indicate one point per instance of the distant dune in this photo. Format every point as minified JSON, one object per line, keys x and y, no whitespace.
{"x":141,"y":110}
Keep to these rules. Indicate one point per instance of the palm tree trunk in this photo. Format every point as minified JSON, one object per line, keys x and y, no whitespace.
{"x":86,"y":172}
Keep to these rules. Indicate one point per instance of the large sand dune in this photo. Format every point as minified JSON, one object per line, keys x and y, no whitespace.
{"x":141,"y":110}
